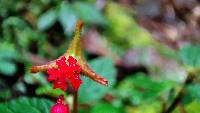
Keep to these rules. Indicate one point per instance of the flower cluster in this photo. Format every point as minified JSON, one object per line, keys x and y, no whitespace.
{"x":60,"y":107}
{"x":66,"y":72}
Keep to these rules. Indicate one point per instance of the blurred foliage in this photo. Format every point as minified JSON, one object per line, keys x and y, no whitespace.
{"x":190,"y":55}
{"x":124,"y":30}
{"x":150,"y":54}
{"x":140,"y":88}
{"x":90,"y":91}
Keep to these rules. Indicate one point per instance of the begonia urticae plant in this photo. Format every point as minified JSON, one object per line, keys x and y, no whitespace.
{"x":67,"y":69}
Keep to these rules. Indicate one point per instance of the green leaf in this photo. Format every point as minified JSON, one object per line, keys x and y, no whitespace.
{"x":67,"y":18}
{"x":15,"y":22}
{"x":89,"y":13}
{"x":92,"y":91}
{"x":47,"y":19}
{"x":140,"y":88}
{"x":190,"y":55}
{"x":26,"y":105}
{"x":48,"y":90}
{"x":103,"y":107}
{"x":31,"y":78}
{"x":7,"y":67}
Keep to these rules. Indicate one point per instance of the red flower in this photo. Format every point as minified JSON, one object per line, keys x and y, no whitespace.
{"x":66,"y":71}
{"x":60,"y":107}
{"x":75,"y":49}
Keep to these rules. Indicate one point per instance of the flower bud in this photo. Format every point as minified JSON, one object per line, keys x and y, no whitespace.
{"x":60,"y":107}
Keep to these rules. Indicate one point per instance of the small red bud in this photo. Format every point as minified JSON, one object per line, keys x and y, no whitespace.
{"x":60,"y":107}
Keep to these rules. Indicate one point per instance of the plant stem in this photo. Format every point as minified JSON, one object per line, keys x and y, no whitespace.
{"x":75,"y":104}
{"x":179,"y":97}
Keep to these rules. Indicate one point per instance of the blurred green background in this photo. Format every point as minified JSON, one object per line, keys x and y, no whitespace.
{"x":145,"y":48}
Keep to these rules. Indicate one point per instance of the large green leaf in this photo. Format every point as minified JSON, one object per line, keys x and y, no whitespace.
{"x":26,"y":105}
{"x":190,"y":55}
{"x":92,"y":91}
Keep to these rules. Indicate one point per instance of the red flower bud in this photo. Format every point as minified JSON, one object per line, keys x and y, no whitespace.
{"x":60,"y":107}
